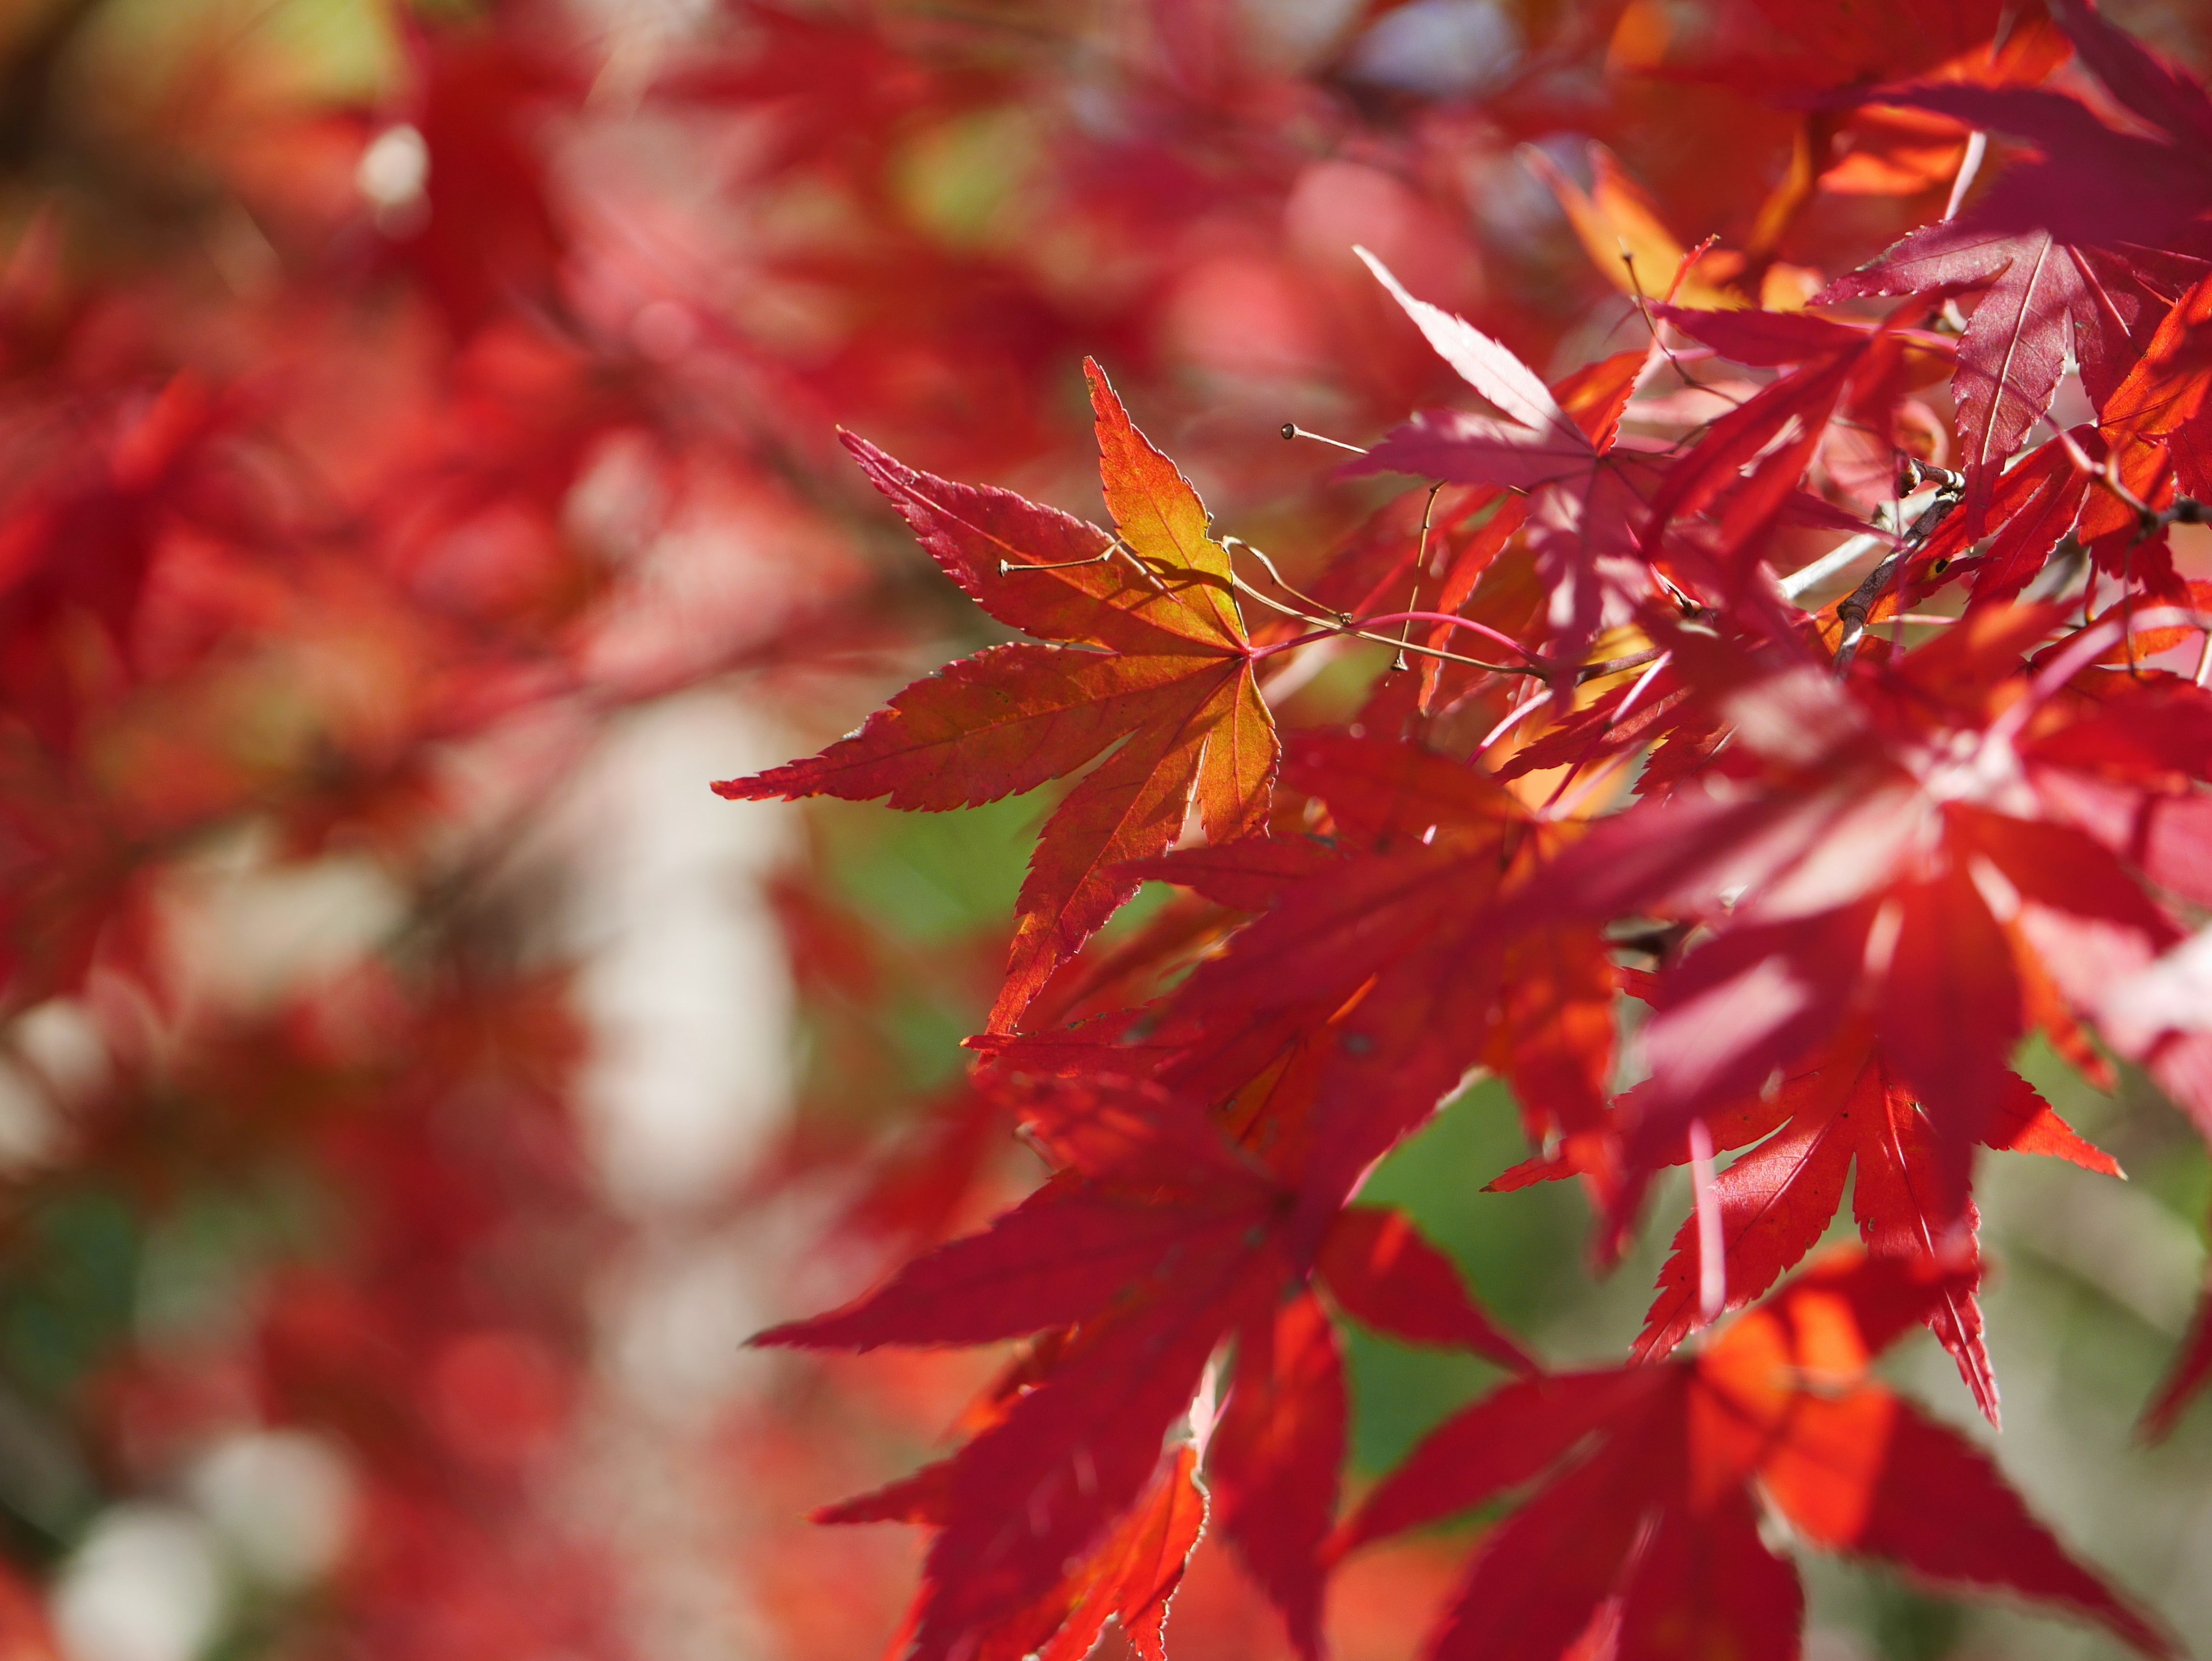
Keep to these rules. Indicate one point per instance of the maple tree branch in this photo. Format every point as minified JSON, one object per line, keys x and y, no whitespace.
{"x":1829,"y":563}
{"x":1852,"y":613}
{"x":2185,"y":510}
{"x":1913,"y":473}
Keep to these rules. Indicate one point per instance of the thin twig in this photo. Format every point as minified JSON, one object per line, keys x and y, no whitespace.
{"x":1853,"y":612}
{"x":1497,"y":637}
{"x":1420,"y":561}
{"x":1291,"y":430}
{"x":1643,"y":310}
{"x":1617,"y":665}
{"x":1008,"y":567}
{"x":1284,"y":582}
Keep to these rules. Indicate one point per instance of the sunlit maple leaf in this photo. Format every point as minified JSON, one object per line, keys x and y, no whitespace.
{"x":2092,"y":183}
{"x":1128,"y":1576}
{"x":1654,"y":1477}
{"x":1893,"y":861}
{"x":1841,"y":1113}
{"x":1152,"y":663}
{"x":1586,"y":499}
{"x":1401,"y":949}
{"x":1155,"y":1240}
{"x":2041,"y":297}
{"x":1620,"y":229}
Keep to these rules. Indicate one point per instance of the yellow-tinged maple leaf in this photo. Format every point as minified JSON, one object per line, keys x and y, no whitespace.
{"x":1148,"y":658}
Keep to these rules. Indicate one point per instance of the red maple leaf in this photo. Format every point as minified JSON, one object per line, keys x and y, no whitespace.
{"x":1156,"y":1240}
{"x":2041,"y":297}
{"x":1842,"y":1111}
{"x":1585,"y":497}
{"x":1397,"y":962}
{"x":1743,"y":475}
{"x":1152,"y":663}
{"x":2093,"y":185}
{"x":1884,"y":857}
{"x":1646,"y":1530}
{"x":1128,"y":1575}
{"x":2186,"y":1380}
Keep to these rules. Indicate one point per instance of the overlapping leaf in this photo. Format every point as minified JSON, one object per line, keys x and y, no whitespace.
{"x":1863,"y":876}
{"x":2041,"y":298}
{"x":1156,"y":1240}
{"x":1404,"y":942}
{"x":1646,"y":1530}
{"x":1905,"y":873}
{"x":1842,"y":1113}
{"x":1585,"y":501}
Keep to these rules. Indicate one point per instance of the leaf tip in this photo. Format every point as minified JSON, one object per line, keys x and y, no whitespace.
{"x":753,"y":787}
{"x":1381,"y":272}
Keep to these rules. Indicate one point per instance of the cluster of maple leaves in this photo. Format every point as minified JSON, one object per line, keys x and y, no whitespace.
{"x":1844,"y":861}
{"x":369,"y":454}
